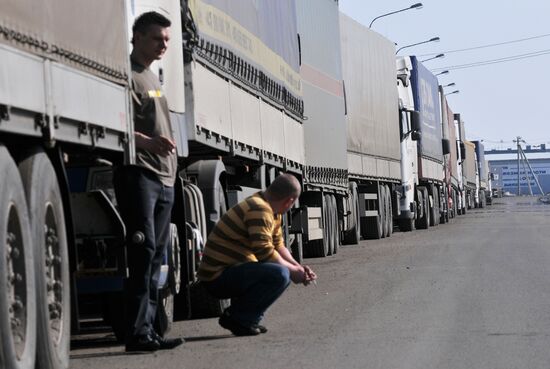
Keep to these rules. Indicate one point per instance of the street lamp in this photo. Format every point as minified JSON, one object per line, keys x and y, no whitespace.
{"x":454,"y":92}
{"x":433,"y":39}
{"x":450,"y":84}
{"x":414,"y":6}
{"x":440,"y":73}
{"x":435,"y":57}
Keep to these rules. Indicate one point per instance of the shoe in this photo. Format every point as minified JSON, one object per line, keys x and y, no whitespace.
{"x":167,"y":343}
{"x":142,"y":343}
{"x":260,"y":327}
{"x":237,"y":328}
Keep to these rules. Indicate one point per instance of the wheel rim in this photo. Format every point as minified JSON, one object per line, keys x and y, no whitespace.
{"x":16,"y":278}
{"x":54,"y":282}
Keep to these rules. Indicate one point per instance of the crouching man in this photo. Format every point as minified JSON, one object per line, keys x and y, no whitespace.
{"x":245,"y":258}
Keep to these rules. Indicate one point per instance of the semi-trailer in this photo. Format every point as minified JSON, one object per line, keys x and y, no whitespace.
{"x":451,"y":159}
{"x":471,"y":175}
{"x":373,"y":132}
{"x":325,"y":180}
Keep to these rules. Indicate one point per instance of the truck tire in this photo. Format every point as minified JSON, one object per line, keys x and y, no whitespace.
{"x":165,"y":312}
{"x":373,"y":227}
{"x":406,"y":225}
{"x":482,"y":199}
{"x":353,"y":234}
{"x":203,"y":304}
{"x":328,"y":224}
{"x":17,"y":280}
{"x":51,"y":261}
{"x":320,"y":248}
{"x":423,"y":199}
{"x":335,"y":227}
{"x":436,"y":207}
{"x":389,"y":212}
{"x":432,"y":205}
{"x":382,"y":203}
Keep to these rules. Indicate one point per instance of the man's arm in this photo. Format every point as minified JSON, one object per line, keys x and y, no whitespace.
{"x":159,"y":145}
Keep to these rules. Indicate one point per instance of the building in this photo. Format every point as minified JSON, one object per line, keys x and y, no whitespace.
{"x":503,"y":165}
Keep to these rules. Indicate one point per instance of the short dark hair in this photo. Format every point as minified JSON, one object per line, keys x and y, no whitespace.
{"x":145,"y":20}
{"x":283,"y":187}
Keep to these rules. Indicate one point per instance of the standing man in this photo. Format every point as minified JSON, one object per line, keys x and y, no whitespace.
{"x":245,"y":258}
{"x":145,"y":191}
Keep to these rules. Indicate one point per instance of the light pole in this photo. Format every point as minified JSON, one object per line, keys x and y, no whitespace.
{"x":449,"y":85}
{"x":440,"y":73}
{"x":454,"y":92}
{"x":414,"y":6}
{"x":435,"y":57}
{"x":433,"y":39}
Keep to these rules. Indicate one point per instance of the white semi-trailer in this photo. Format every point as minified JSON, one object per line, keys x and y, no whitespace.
{"x":373,"y":132}
{"x":326,"y":175}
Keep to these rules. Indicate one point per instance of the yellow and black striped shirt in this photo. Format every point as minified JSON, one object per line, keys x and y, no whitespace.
{"x":248,"y":232}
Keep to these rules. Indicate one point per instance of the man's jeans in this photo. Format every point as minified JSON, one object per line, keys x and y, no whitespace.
{"x":252,"y":288}
{"x":145,"y":205}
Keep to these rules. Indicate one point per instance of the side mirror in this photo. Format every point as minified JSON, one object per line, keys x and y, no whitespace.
{"x":446,"y":145}
{"x":415,"y":136}
{"x":463,"y":151}
{"x":415,"y":121}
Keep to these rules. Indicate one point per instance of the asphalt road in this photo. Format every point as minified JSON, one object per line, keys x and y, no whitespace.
{"x":471,"y":294}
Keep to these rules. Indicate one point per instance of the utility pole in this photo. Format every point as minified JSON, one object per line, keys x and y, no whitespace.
{"x":517,"y":149}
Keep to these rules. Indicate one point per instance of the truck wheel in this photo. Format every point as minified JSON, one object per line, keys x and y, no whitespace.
{"x":335,"y":227}
{"x":432,"y":206}
{"x":389,"y":212}
{"x":165,"y":312}
{"x":203,"y":304}
{"x":436,"y":208}
{"x":374,"y":226}
{"x":320,"y":248}
{"x":424,"y":221}
{"x":328,"y":225}
{"x":353,"y":234}
{"x":382,"y":204}
{"x":17,"y":280}
{"x":406,"y":225}
{"x":51,"y":261}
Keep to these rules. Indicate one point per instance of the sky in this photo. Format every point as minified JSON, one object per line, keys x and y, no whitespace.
{"x":500,"y":101}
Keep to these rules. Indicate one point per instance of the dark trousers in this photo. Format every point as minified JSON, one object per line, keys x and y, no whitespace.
{"x":252,"y":288}
{"x":145,"y":205}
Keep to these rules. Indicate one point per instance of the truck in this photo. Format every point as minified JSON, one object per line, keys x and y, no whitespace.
{"x":232,"y":79}
{"x":373,"y":131}
{"x":423,"y":146}
{"x":471,"y":176}
{"x":461,"y":156}
{"x":484,"y":176}
{"x":451,"y":159}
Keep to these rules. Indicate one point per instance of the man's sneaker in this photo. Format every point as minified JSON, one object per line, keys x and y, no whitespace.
{"x":167,"y":343}
{"x":237,"y":328}
{"x":142,"y":343}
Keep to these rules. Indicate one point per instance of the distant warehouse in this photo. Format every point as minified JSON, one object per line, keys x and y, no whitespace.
{"x":503,"y":164}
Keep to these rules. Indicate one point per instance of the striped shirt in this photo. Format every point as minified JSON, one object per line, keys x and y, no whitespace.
{"x":248,"y":232}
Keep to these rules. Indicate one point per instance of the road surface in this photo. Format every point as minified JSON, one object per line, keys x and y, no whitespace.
{"x":472,"y":294}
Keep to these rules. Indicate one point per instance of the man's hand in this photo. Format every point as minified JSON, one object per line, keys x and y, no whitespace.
{"x":159,"y":145}
{"x":310,"y":276}
{"x":297,"y":274}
